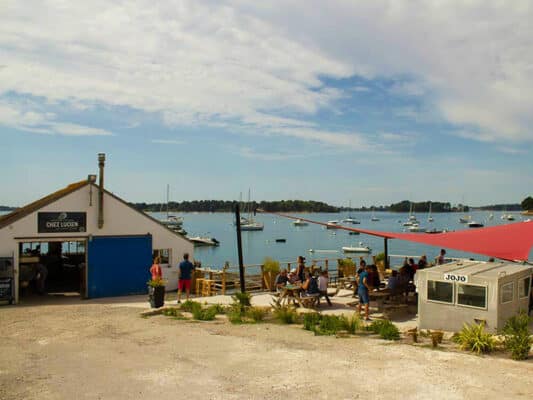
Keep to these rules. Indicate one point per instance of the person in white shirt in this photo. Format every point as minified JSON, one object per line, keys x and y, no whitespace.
{"x":323,"y":286}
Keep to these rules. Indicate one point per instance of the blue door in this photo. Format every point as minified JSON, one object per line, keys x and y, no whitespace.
{"x":118,"y":265}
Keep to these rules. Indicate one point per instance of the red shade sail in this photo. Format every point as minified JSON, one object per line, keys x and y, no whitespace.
{"x":511,"y":242}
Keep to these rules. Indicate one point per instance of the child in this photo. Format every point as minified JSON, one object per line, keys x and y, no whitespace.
{"x":323,"y":286}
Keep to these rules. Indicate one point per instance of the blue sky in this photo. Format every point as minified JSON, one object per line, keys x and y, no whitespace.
{"x":368,"y":102}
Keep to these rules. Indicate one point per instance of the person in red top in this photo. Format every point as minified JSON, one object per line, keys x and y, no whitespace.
{"x":155,"y":269}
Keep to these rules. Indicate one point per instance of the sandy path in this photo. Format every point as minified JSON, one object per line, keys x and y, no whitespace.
{"x":102,"y":352}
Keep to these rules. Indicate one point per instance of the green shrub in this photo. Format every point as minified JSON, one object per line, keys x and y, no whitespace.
{"x":234,"y":314}
{"x":286,"y":314}
{"x":220,"y":309}
{"x":311,"y":320}
{"x":377,"y":325}
{"x":257,"y":314}
{"x":385,"y":328}
{"x":352,"y":324}
{"x":474,"y":338}
{"x":271,"y":265}
{"x":242,"y":298}
{"x":204,"y":314}
{"x":173,"y":312}
{"x":389,"y":332}
{"x":517,"y":338}
{"x":188,"y":305}
{"x":329,"y":325}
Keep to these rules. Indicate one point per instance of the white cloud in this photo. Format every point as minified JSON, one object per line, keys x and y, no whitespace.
{"x":235,"y":63}
{"x":18,"y":116}
{"x":168,"y":141}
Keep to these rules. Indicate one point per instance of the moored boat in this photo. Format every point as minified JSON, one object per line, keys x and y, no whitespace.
{"x":299,"y":222}
{"x":357,"y":249}
{"x":204,"y":241}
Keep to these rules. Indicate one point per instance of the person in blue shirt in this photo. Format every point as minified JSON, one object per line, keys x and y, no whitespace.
{"x":185,"y":276}
{"x":362,"y":292}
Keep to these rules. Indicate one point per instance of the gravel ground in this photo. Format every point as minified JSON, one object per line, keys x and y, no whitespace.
{"x":84,"y":350}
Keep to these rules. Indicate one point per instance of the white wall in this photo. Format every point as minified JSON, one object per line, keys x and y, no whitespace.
{"x":119,"y":219}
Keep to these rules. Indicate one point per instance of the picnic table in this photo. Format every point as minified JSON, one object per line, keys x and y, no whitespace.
{"x":290,"y":293}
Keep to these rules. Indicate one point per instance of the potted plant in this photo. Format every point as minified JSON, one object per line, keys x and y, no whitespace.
{"x":270,"y":271}
{"x":156,"y":292}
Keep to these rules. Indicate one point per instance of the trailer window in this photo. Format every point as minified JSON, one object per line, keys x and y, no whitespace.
{"x":523,"y":287}
{"x":440,"y":291}
{"x":472,"y":295}
{"x":506,"y":293}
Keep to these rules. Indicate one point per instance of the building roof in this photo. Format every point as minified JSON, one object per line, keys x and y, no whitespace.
{"x":478,"y":269}
{"x":21,"y":212}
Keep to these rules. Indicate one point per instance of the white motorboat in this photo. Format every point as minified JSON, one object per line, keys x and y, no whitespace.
{"x":334,"y":224}
{"x":204,"y":241}
{"x":465,"y":220}
{"x":416,"y":228}
{"x":408,"y":223}
{"x":491,"y":216}
{"x":351,"y":220}
{"x":510,"y":217}
{"x":252,"y":226}
{"x":357,"y":249}
{"x":474,"y":224}
{"x":299,"y":222}
{"x":322,"y":251}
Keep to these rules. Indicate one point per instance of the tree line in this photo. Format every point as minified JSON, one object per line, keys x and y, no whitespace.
{"x":228,"y":206}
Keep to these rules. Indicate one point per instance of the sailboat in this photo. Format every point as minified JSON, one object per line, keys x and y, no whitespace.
{"x":374,"y":218}
{"x":350,"y":220}
{"x":411,"y":220}
{"x":430,"y":218}
{"x":249,"y":223}
{"x":173,"y":222}
{"x":465,"y":219}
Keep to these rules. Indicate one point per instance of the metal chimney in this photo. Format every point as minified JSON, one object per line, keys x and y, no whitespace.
{"x":101,"y":164}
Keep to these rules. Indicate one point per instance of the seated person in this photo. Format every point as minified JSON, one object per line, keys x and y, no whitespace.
{"x":293,"y":277}
{"x":310,"y":285}
{"x":281,"y":279}
{"x":373,"y":281}
{"x":323,"y":286}
{"x":423,"y":262}
{"x":394,"y":281}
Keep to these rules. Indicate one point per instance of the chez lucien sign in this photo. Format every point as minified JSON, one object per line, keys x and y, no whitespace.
{"x":60,"y":222}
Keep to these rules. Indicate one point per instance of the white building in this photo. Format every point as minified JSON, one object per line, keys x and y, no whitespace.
{"x":98,"y":251}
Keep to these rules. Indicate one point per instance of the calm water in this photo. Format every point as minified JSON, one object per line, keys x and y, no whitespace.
{"x":261,"y":244}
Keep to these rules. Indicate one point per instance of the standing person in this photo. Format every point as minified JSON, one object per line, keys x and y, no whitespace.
{"x":362,"y":292}
{"x":155,"y":269}
{"x":440,"y":259}
{"x":323,"y":281}
{"x":301,"y":268}
{"x":40,"y":277}
{"x":185,"y":276}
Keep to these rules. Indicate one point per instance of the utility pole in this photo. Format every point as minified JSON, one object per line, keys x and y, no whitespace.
{"x":239,"y":246}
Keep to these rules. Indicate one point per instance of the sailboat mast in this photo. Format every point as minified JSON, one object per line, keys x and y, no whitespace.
{"x":168,"y":197}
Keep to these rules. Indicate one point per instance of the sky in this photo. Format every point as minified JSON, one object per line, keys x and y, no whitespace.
{"x":368,"y":102}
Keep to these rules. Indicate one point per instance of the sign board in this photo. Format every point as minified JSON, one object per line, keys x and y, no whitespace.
{"x":60,"y":222}
{"x":456,"y":278}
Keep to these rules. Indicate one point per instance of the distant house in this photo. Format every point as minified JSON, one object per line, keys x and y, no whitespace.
{"x":61,"y":231}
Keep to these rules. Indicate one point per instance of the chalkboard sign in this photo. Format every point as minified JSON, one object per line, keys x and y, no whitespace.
{"x":58,"y":222}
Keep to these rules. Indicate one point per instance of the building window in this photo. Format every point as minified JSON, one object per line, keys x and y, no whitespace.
{"x":523,"y":287}
{"x":506,"y":293}
{"x":164,"y":254}
{"x":472,"y":296}
{"x":440,"y":291}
